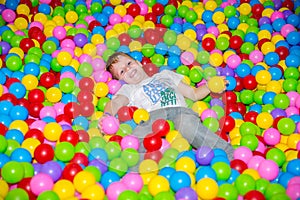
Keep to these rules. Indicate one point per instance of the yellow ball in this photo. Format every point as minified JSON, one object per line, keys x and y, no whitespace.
{"x":64,"y":189}
{"x":75,"y":64}
{"x":277,"y":38}
{"x":218,"y":17}
{"x":148,"y":25}
{"x":48,"y":31}
{"x":59,"y":20}
{"x":71,"y":17}
{"x":53,"y":95}
{"x":207,"y":188}
{"x":222,"y":28}
{"x":101,"y":89}
{"x":158,"y":184}
{"x":1,"y":90}
{"x":244,"y":9}
{"x":183,"y":42}
{"x":235,"y":132}
{"x":148,"y":166}
{"x":274,"y":86}
{"x":77,"y":51}
{"x":268,"y":47}
{"x":30,"y":144}
{"x":115,"y":2}
{"x":52,"y":131}
{"x":19,"y":125}
{"x":23,"y":9}
{"x":263,"y":77}
{"x":293,"y":140}
{"x":3,"y":188}
{"x":291,"y":155}
{"x":90,"y":49}
{"x":17,"y":50}
{"x":252,"y":172}
{"x":236,"y":141}
{"x":226,"y":54}
{"x":135,"y":46}
{"x":264,"y":120}
{"x":267,"y":12}
{"x":210,"y":5}
{"x":121,"y":10}
{"x":181,"y":144}
{"x":243,"y":27}
{"x":21,"y":23}
{"x":190,"y":34}
{"x":140,"y":115}
{"x":146,"y":177}
{"x":119,"y":28}
{"x":199,"y":107}
{"x":264,"y":34}
{"x":64,"y":58}
{"x":215,"y":59}
{"x":283,"y":147}
{"x":172,"y":135}
{"x":185,"y":164}
{"x":40,"y":17}
{"x":93,"y":192}
{"x":83,"y":180}
{"x":97,"y":39}
{"x":216,"y":84}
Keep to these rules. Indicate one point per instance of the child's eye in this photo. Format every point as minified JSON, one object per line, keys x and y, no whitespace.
{"x":129,"y":63}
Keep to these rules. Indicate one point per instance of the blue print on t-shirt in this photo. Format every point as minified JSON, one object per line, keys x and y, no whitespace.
{"x":153,"y":90}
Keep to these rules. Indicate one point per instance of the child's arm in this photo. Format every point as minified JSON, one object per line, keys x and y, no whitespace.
{"x":115,"y":104}
{"x":193,"y":93}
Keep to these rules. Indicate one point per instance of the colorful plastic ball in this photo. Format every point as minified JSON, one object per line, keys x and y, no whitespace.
{"x":286,"y":126}
{"x":21,"y":155}
{"x":204,"y":155}
{"x":110,"y":125}
{"x":133,"y":181}
{"x":222,"y":170}
{"x":12,"y":172}
{"x":17,"y":193}
{"x":268,"y":169}
{"x":293,"y":167}
{"x":244,"y":183}
{"x":152,"y":142}
{"x":115,"y":189}
{"x":40,"y":183}
{"x":83,"y":180}
{"x":158,"y":184}
{"x":243,"y":153}
{"x":64,"y":189}
{"x":208,"y":44}
{"x":207,"y":188}
{"x":216,"y":84}
{"x":186,"y":193}
{"x":64,"y":151}
{"x":140,"y":115}
{"x":179,"y":180}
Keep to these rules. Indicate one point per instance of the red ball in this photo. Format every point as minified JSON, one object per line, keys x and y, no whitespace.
{"x":23,"y":102}
{"x":161,"y":127}
{"x":154,"y":155}
{"x":69,"y":136}
{"x":35,"y":133}
{"x":70,"y":171}
{"x":231,"y":107}
{"x":222,"y":134}
{"x":116,"y":138}
{"x":173,"y":2}
{"x":208,"y":44}
{"x":72,"y":110}
{"x":288,"y":4}
{"x":25,"y":185}
{"x":158,"y":9}
{"x":241,"y":108}
{"x":43,"y":153}
{"x":34,"y":109}
{"x":39,"y":36}
{"x":276,"y":120}
{"x":239,"y":84}
{"x":80,"y":158}
{"x":124,"y":39}
{"x":145,"y":61}
{"x":9,"y":97}
{"x":87,"y":84}
{"x":84,"y":96}
{"x":235,"y":42}
{"x":125,"y":113}
{"x":151,"y":36}
{"x":47,"y":79}
{"x":10,"y":81}
{"x":134,"y":10}
{"x":257,"y":10}
{"x":238,"y":165}
{"x":251,"y":117}
{"x":63,"y":118}
{"x":249,"y":82}
{"x":282,"y":51}
{"x":3,"y":129}
{"x":227,"y":123}
{"x":160,"y":29}
{"x":36,"y":95}
{"x":83,"y":136}
{"x":93,"y":24}
{"x":26,"y":44}
{"x":152,"y":142}
{"x":254,"y":195}
{"x":151,"y":17}
{"x":150,"y":69}
{"x":229,"y":97}
{"x":261,"y":42}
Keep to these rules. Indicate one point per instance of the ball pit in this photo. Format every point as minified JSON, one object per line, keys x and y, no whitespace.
{"x":54,"y":88}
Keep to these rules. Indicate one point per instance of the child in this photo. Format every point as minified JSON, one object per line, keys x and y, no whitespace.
{"x":162,"y":95}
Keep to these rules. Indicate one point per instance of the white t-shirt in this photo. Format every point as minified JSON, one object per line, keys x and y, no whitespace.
{"x":158,"y":91}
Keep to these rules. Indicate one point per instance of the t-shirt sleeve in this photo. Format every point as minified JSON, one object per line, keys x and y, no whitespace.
{"x":175,"y":77}
{"x":124,"y":90}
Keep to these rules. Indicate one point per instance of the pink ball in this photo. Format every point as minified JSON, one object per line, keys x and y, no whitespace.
{"x":115,"y":19}
{"x":144,"y":8}
{"x":8,"y":15}
{"x":59,"y":108}
{"x":68,"y":43}
{"x":38,"y":124}
{"x":187,"y":58}
{"x":233,"y":61}
{"x":115,"y":189}
{"x":69,"y":50}
{"x":48,"y":111}
{"x":165,"y":145}
{"x":114,"y":86}
{"x":294,"y":180}
{"x":272,"y":136}
{"x":298,"y":129}
{"x":110,"y":125}
{"x":68,"y":75}
{"x":292,"y":111}
{"x":243,"y":153}
{"x":59,"y":32}
{"x":297,"y":103}
{"x":213,"y":30}
{"x":293,"y":97}
{"x":36,"y":24}
{"x":45,"y":1}
{"x":98,"y":64}
{"x":286,"y":29}
{"x":276,"y":15}
{"x":85,"y":58}
{"x":261,"y":147}
{"x":256,"y":56}
{"x":208,"y":113}
{"x":133,"y":181}
{"x":40,"y":183}
{"x":255,"y":161}
{"x":293,"y":191}
{"x":128,"y":19}
{"x":130,"y":141}
{"x":268,"y":169}
{"x":100,"y":49}
{"x":101,"y":76}
{"x":55,"y":53}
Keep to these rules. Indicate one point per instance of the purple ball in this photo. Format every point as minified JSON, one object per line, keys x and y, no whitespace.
{"x":53,"y":169}
{"x":216,"y":102}
{"x":204,"y":155}
{"x":178,"y":20}
{"x":186,"y":193}
{"x":227,"y":71}
{"x":277,"y":112}
{"x":102,"y":166}
{"x":37,"y":168}
{"x":80,"y":39}
{"x":287,"y":13}
{"x":264,"y":20}
{"x":277,"y":4}
{"x":200,"y":33}
{"x":5,"y":47}
{"x":200,"y":26}
{"x":2,"y":7}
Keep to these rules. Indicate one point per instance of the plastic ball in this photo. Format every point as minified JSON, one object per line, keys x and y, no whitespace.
{"x":204,"y":155}
{"x":40,"y":183}
{"x":268,"y":169}
{"x":110,"y":125}
{"x":216,"y":84}
{"x":179,"y":180}
{"x":12,"y":172}
{"x":158,"y":184}
{"x":207,"y":188}
{"x":140,"y":115}
{"x":83,"y":180}
{"x":115,"y":189}
{"x":64,"y":189}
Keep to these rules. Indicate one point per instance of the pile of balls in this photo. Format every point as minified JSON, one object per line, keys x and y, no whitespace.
{"x":54,"y":88}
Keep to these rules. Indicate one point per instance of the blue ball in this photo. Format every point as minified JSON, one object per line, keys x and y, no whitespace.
{"x":124,"y":49}
{"x":233,"y":22}
{"x":67,"y":98}
{"x":5,"y":120}
{"x":15,"y":134}
{"x":293,"y":38}
{"x":18,"y":113}
{"x":161,"y":48}
{"x":251,"y":37}
{"x":294,"y":20}
{"x":21,"y":155}
{"x":17,"y":89}
{"x":275,"y":72}
{"x":174,"y":62}
{"x":243,"y":70}
{"x":174,"y":51}
{"x":278,"y":23}
{"x":167,"y":172}
{"x":99,"y":154}
{"x":2,"y":78}
{"x":284,"y":179}
{"x":108,"y":178}
{"x":32,"y":68}
{"x":256,"y":108}
{"x":81,"y":121}
{"x":176,"y":27}
{"x":231,"y":83}
{"x":233,"y":176}
{"x":5,"y":107}
{"x":268,"y":97}
{"x":205,"y":172}
{"x":18,"y":75}
{"x":293,"y":167}
{"x":179,"y":179}
{"x":3,"y":159}
{"x":292,"y":60}
{"x":207,"y":16}
{"x":44,"y":8}
{"x":271,"y":58}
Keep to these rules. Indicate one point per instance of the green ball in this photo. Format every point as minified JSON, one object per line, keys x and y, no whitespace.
{"x":244,"y":183}
{"x":219,"y":110}
{"x":81,"y":9}
{"x":150,"y":3}
{"x":250,"y":141}
{"x":148,"y":50}
{"x":36,"y":51}
{"x":83,"y":147}
{"x":261,"y":185}
{"x":239,"y":33}
{"x":158,"y":59}
{"x":170,"y":10}
{"x":258,"y":96}
{"x":12,"y":172}
{"x":130,"y":156}
{"x":64,"y":151}
{"x":167,"y":20}
{"x":15,"y":40}
{"x":281,"y":101}
{"x":252,"y":22}
{"x":59,"y":11}
{"x":48,"y":195}
{"x":211,"y":123}
{"x":247,"y":96}
{"x":290,"y":84}
{"x":124,"y":129}
{"x":55,"y":66}
{"x":247,"y":128}
{"x":277,"y":156}
{"x":171,"y":153}
{"x":85,"y":69}
{"x":14,"y":63}
{"x":191,"y":16}
{"x":247,"y":47}
{"x":17,"y":194}
{"x":183,"y":69}
{"x":253,"y":29}
{"x":195,"y":75}
{"x":228,"y":191}
{"x":11,"y":146}
{"x":28,"y":169}
{"x":102,"y":103}
{"x":66,"y":85}
{"x":222,"y":170}
{"x":209,"y":72}
{"x":97,"y":142}
{"x":3,"y":144}
{"x":171,"y":124}
{"x":273,"y":189}
{"x":134,"y":31}
{"x":268,"y":108}
{"x":166,"y":162}
{"x":107,"y":53}
{"x":164,"y":196}
{"x":203,"y":57}
{"x":96,"y":7}
{"x":49,"y":47}
{"x":7,"y":35}
{"x":113,"y":43}
{"x":182,"y":10}
{"x":128,"y":195}
{"x":280,"y":196}
{"x":113,"y":150}
{"x":229,"y":11}
{"x":119,"y":166}
{"x":222,"y":43}
{"x":170,"y":37}
{"x":286,"y":126}
{"x":72,"y":32}
{"x":95,"y":171}
{"x":29,"y":58}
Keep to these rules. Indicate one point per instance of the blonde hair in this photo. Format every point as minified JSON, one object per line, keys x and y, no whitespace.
{"x":114,"y":58}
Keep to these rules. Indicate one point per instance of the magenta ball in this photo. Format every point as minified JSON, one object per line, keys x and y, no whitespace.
{"x":40,"y":183}
{"x":255,"y":161}
{"x":293,"y":97}
{"x":110,"y":125}
{"x":294,"y":180}
{"x":130,"y":141}
{"x":48,"y":111}
{"x":187,"y":58}
{"x":208,"y":113}
{"x":233,"y":61}
{"x":115,"y":189}
{"x":133,"y":181}
{"x":256,"y":56}
{"x":261,"y":147}
{"x":114,"y":86}
{"x":272,"y":136}
{"x":268,"y":169}
{"x":8,"y":15}
{"x":293,"y":191}
{"x":243,"y":153}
